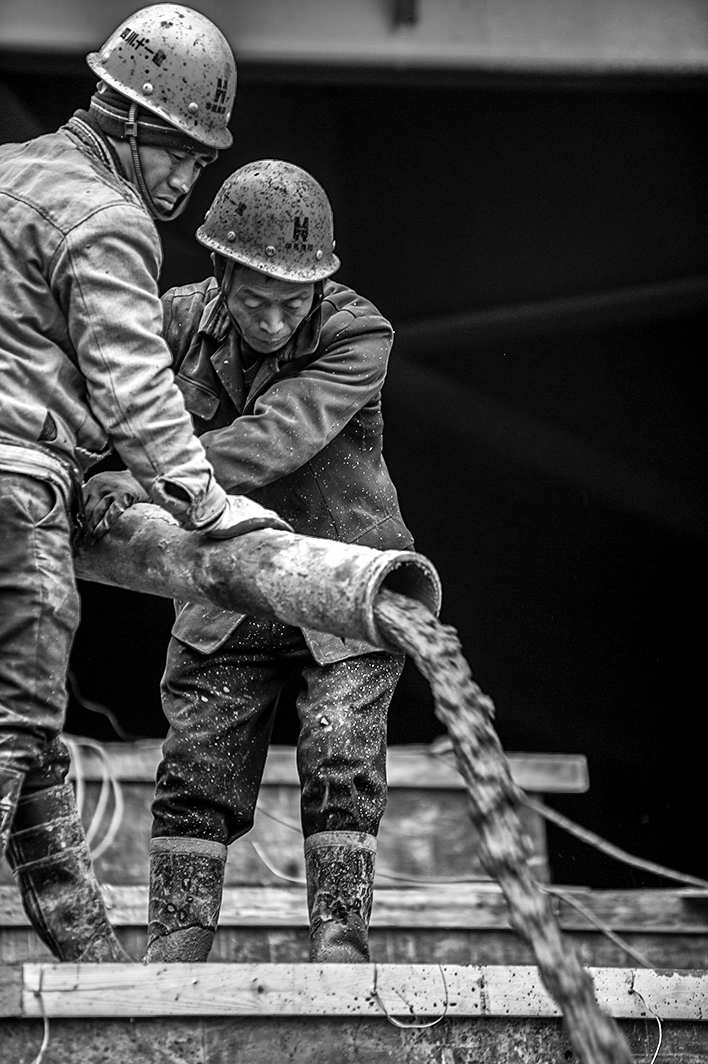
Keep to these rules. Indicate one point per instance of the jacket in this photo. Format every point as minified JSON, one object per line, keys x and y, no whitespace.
{"x":82,"y":358}
{"x":305,"y":438}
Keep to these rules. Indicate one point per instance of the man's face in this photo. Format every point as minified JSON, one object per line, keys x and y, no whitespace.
{"x":170,"y":174}
{"x":268,"y":311}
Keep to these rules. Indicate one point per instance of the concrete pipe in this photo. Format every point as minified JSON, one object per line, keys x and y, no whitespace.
{"x":303,"y":581}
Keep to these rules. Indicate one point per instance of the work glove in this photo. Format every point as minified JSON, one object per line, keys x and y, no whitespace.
{"x":106,"y":496}
{"x":241,"y":515}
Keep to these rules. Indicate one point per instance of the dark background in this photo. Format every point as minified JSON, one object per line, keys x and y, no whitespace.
{"x":550,"y":459}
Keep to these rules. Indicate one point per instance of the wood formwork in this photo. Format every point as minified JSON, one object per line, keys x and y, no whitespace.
{"x":424,"y":924}
{"x":211,"y":1014}
{"x":425,"y":833}
{"x":444,"y":949}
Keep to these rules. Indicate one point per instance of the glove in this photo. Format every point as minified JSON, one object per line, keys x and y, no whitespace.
{"x":106,"y":496}
{"x":241,"y":515}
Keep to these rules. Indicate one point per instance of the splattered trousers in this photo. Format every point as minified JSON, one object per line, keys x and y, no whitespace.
{"x":39,"y":614}
{"x":221,"y":707}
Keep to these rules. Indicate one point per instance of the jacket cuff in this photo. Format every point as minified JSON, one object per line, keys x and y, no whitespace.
{"x":192,"y":510}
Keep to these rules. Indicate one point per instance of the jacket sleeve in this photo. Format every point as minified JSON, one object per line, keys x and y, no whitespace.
{"x":106,"y":275}
{"x":298,"y":416}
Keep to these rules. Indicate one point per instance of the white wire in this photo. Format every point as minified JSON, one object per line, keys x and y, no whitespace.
{"x":109,"y":783}
{"x":45,"y":1021}
{"x":410,"y":1026}
{"x":650,"y":1010}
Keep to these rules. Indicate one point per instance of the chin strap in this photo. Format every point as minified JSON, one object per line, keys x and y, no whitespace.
{"x":131,"y":135}
{"x":224,"y":272}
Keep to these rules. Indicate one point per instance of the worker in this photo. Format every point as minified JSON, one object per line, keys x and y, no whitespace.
{"x":84,"y":366}
{"x":282,"y":370}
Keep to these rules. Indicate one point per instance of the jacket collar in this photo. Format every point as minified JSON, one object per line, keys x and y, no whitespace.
{"x":93,"y":141}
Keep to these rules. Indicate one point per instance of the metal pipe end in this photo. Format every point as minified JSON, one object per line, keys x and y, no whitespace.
{"x":406,"y":573}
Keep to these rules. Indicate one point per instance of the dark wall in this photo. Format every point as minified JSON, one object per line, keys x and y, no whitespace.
{"x":556,"y":474}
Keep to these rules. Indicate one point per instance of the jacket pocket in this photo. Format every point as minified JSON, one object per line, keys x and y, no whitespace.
{"x":204,"y":628}
{"x":199,"y":400}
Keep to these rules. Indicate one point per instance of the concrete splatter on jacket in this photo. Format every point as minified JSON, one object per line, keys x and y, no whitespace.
{"x":82,"y":358}
{"x":305,"y":438}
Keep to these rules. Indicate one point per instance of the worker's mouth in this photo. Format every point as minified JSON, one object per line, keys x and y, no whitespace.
{"x":263,"y":344}
{"x":167,"y":203}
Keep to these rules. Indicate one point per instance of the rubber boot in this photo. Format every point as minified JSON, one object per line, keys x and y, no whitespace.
{"x":186,"y":884}
{"x":339,"y":866}
{"x":10,"y":787}
{"x":50,"y":857}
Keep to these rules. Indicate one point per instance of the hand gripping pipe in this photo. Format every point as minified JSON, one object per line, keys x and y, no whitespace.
{"x":303,"y":581}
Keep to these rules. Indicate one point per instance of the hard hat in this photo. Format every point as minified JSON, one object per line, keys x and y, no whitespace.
{"x":275,"y":218}
{"x":174,"y":62}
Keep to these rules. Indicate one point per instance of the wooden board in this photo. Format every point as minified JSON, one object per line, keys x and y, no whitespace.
{"x":424,"y":833}
{"x":291,"y":945}
{"x":408,"y":766}
{"x":436,"y":907}
{"x":138,"y":990}
{"x":317,"y":1040}
{"x":412,"y":925}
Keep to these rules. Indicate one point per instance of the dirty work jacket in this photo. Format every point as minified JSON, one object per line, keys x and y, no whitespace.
{"x":82,"y":359}
{"x":304,"y":438}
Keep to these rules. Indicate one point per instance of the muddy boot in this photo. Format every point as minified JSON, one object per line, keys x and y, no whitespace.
{"x":186,"y":883}
{"x":62,"y":898}
{"x":10,"y":787}
{"x":340,"y":881}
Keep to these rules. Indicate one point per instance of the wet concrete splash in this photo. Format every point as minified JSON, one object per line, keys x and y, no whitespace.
{"x":495,"y":803}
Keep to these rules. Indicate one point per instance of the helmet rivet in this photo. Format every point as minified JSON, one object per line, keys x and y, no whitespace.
{"x":231,"y":236}
{"x":334,"y":244}
{"x":270,"y":250}
{"x":193,"y":107}
{"x":147,"y":88}
{"x":319,"y":253}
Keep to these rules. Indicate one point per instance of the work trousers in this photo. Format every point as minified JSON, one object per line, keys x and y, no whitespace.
{"x":39,"y":614}
{"x":221,"y":707}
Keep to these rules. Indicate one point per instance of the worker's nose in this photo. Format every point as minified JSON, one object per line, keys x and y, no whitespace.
{"x":271,"y":321}
{"x":183,"y":176}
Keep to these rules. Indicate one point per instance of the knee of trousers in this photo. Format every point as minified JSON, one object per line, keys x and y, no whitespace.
{"x":344,"y":799}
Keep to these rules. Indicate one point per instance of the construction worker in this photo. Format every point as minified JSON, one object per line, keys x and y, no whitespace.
{"x":282,"y":371}
{"x":84,"y":366}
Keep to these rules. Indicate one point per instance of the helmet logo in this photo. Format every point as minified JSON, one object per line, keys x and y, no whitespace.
{"x":218,"y":107}
{"x":133,"y":38}
{"x":301,"y":227}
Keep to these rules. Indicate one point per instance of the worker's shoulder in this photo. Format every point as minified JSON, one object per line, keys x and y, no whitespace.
{"x":340,"y":301}
{"x":190,"y":306}
{"x":191,"y":298}
{"x":62,"y":184}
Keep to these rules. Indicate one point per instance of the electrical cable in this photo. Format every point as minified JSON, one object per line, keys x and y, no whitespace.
{"x":606,"y":930}
{"x":596,"y":841}
{"x":650,"y":1010}
{"x":45,"y":1020}
{"x":409,"y":1026}
{"x":92,"y":706}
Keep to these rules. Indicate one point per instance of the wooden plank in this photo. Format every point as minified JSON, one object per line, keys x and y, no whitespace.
{"x":408,"y":766}
{"x":321,"y":1040}
{"x":11,"y":980}
{"x":423,"y":834}
{"x":402,"y":945}
{"x":71,"y":990}
{"x":440,"y":906}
